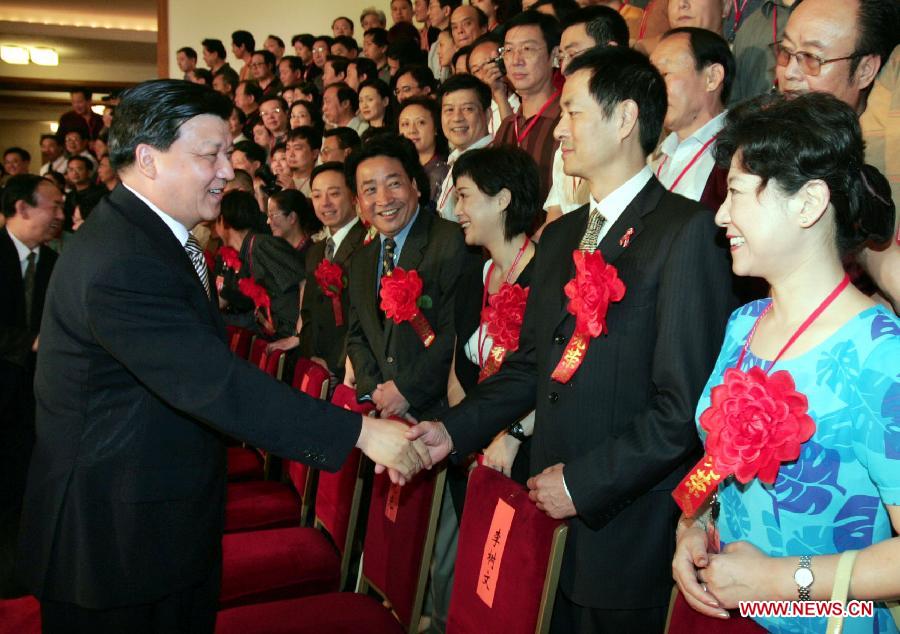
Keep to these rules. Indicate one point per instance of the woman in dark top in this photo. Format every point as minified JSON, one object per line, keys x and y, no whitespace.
{"x":497,"y":190}
{"x":270,"y":262}
{"x":419,"y":120}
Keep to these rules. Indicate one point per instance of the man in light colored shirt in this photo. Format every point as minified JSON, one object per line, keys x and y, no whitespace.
{"x":699,"y":69}
{"x":339,"y":105}
{"x":439,"y":17}
{"x":465,"y":112}
{"x":485,"y":63}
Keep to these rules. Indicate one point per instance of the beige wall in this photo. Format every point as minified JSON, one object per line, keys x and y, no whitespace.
{"x":192,"y":22}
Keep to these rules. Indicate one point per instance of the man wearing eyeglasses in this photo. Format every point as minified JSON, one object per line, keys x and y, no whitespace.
{"x":530,"y":46}
{"x":262,"y":67}
{"x":836,"y":46}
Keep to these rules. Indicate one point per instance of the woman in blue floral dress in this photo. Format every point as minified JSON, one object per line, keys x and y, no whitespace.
{"x":799,"y":197}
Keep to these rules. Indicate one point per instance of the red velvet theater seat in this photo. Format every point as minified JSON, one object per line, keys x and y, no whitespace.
{"x":518,"y":580}
{"x":239,"y":341}
{"x":20,"y":616}
{"x":273,"y":564}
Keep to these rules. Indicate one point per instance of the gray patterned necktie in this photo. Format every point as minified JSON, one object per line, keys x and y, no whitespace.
{"x":196,"y":254}
{"x":596,"y":220}
{"x":329,"y":249}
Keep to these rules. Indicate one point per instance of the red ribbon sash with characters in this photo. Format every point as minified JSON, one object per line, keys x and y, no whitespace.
{"x":401,"y":298}
{"x":330,"y":278}
{"x":755,"y":421}
{"x":596,"y":284}
{"x":503,"y":321}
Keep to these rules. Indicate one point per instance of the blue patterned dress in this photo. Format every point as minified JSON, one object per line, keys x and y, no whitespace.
{"x":832,"y":498}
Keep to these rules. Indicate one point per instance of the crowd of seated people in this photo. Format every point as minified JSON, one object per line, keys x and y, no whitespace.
{"x":480,"y":144}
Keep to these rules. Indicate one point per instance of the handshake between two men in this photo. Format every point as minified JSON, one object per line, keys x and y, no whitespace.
{"x":403,"y":450}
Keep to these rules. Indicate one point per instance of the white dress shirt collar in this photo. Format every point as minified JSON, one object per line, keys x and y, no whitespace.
{"x":23,"y":251}
{"x":178,"y":230}
{"x":341,"y":233}
{"x":615,"y":203}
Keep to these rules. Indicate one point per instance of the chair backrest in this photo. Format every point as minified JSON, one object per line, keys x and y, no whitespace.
{"x":338,"y":494}
{"x":400,"y":540}
{"x":507,"y":560}
{"x":312,"y":379}
{"x":272,"y":363}
{"x":258,"y":352}
{"x":239,"y":341}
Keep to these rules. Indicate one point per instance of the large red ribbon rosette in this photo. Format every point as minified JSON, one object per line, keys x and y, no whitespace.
{"x":230,"y":259}
{"x":754,"y":422}
{"x":595,"y":286}
{"x":257,"y":293}
{"x":503,"y":321}
{"x":401,"y":297}
{"x":330,"y":278}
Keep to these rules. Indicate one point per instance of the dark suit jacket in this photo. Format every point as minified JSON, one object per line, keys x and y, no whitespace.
{"x":320,"y":337}
{"x":125,"y":495}
{"x":624,"y":424}
{"x":383,"y":352}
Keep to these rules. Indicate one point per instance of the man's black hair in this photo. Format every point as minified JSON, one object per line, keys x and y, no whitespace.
{"x":398,"y":148}
{"x":189,"y":52}
{"x":465,"y":81}
{"x":20,"y":187}
{"x":548,"y":25}
{"x":215,"y":46}
{"x":602,"y":24}
{"x":245,"y":39}
{"x":347,"y":137}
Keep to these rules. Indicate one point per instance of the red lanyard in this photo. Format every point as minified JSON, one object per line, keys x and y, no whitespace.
{"x":686,"y":167}
{"x":644,"y":19}
{"x":803,"y":327}
{"x":738,"y":13}
{"x":482,"y":328}
{"x":534,"y":119}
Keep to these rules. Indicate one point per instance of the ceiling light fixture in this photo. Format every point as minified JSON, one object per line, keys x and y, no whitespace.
{"x":43,"y":56}
{"x":13,"y":54}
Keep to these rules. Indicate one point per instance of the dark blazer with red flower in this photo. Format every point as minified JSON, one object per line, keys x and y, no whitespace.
{"x":320,"y":337}
{"x":383,"y":351}
{"x":623,"y":426}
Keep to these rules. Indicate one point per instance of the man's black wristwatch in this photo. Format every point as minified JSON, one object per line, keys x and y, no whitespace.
{"x":516,"y":431}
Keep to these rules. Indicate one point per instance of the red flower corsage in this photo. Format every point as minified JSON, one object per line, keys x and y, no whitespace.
{"x":330,"y":278}
{"x":401,"y":299}
{"x":257,"y":293}
{"x":230,"y":259}
{"x":595,"y":286}
{"x":503,"y":322}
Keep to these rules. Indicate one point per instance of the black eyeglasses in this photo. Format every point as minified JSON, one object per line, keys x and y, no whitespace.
{"x":810,"y":63}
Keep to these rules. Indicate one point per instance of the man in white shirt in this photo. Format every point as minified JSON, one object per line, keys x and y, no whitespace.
{"x":465,"y":112}
{"x":339,"y":105}
{"x":699,"y":69}
{"x":53,"y":155}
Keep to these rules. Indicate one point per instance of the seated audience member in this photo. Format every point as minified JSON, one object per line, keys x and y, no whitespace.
{"x":77,"y":145}
{"x":33,"y":209}
{"x":263,"y":69}
{"x":203,"y":76}
{"x":278,"y":165}
{"x":291,"y":218}
{"x":303,"y":146}
{"x":222,"y":84}
{"x":303,"y":46}
{"x":85,"y":201}
{"x":375,"y":45}
{"x":497,"y":191}
{"x":375,"y":103}
{"x":467,"y":24}
{"x":16,"y":161}
{"x":79,"y":173}
{"x":339,"y":105}
{"x":236,"y":123}
{"x":52,"y":155}
{"x":274,"y":114}
{"x":247,"y":96}
{"x":338,"y":144}
{"x":308,"y":91}
{"x":493,"y":9}
{"x":387,"y":358}
{"x":439,"y":12}
{"x":445,"y":48}
{"x":262,"y":136}
{"x":335,"y":70}
{"x":800,"y":195}
{"x":754,"y":53}
{"x":100,"y":145}
{"x":275,"y":45}
{"x":214,"y":56}
{"x":372,"y":18}
{"x":305,"y":113}
{"x":703,"y":14}
{"x":320,"y":52}
{"x":413,"y":81}
{"x":80,"y":117}
{"x":186,"y":58}
{"x":401,"y":11}
{"x":632,"y":15}
{"x":459,"y":63}
{"x":427,"y":33}
{"x":342,"y":27}
{"x":419,"y":120}
{"x":242,"y":46}
{"x":485,"y":62}
{"x":321,"y":338}
{"x":529,"y":47}
{"x":698,"y":68}
{"x":290,"y":72}
{"x":359,"y":70}
{"x":106,"y":175}
{"x":583,"y":30}
{"x":465,"y":111}
{"x":269,"y":261}
{"x":345,"y":46}
{"x":248,"y":156}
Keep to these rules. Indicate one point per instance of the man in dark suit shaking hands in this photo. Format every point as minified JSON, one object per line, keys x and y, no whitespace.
{"x":123,"y":509}
{"x":614,"y":426}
